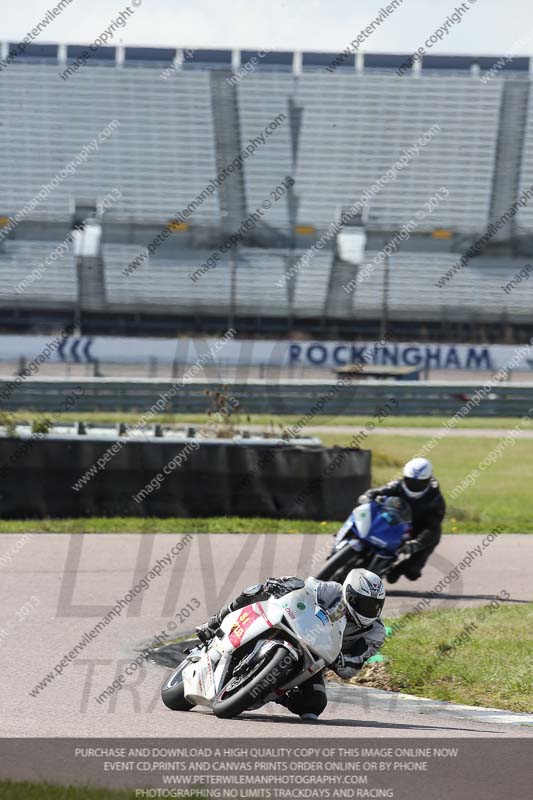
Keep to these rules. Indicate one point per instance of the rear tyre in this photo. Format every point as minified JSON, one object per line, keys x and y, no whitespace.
{"x":339,"y":565}
{"x":172,"y":692}
{"x":231,"y":703}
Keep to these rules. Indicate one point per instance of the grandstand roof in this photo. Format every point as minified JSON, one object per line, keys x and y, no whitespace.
{"x":209,"y":58}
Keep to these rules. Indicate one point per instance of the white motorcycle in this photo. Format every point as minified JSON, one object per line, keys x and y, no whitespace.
{"x":259,"y":653}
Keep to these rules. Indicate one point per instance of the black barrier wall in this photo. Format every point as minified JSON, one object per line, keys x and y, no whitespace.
{"x":79,"y":477}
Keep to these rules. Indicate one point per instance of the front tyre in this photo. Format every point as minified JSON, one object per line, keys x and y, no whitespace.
{"x":339,"y":565}
{"x":234,"y":698}
{"x":172,"y":691}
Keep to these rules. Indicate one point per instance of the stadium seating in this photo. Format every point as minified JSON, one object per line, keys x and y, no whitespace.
{"x":473,"y":293}
{"x":524,"y":216}
{"x":312,"y":286}
{"x":261,"y":99}
{"x":173,"y":128}
{"x":52,"y":286}
{"x":342,"y":132}
{"x":354,"y":128}
{"x":260,"y":289}
{"x":257,"y":289}
{"x":164,"y":284}
{"x":161,"y":156}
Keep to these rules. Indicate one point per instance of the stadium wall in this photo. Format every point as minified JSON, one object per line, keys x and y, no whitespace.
{"x":270,"y":352}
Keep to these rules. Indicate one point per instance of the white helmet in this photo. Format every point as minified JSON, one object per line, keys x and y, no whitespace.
{"x":364,"y":594}
{"x":417,"y":475}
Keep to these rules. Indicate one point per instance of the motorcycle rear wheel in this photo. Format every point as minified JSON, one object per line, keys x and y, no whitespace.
{"x":231,"y":705}
{"x":339,"y":565}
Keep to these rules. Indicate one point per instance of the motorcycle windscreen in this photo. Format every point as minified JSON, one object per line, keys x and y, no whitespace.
{"x":385,"y":534}
{"x":312,"y":624}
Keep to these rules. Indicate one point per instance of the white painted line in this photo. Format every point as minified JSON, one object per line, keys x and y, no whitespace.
{"x":424,"y":705}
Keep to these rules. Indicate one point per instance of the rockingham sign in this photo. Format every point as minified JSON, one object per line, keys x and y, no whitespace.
{"x":425,"y":356}
{"x":247,"y":352}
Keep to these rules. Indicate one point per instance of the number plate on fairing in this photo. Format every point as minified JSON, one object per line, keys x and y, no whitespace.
{"x":246,"y":618}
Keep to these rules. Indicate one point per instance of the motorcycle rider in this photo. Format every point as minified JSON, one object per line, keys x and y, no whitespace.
{"x":360,"y":598}
{"x":421,"y":490}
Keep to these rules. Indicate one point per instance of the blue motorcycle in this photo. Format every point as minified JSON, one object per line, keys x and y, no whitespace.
{"x":371,"y":538}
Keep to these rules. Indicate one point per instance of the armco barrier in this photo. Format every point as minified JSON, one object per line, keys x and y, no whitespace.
{"x":275,"y":479}
{"x":271,"y":397}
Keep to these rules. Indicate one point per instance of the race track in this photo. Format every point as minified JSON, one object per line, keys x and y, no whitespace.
{"x":57,"y":587}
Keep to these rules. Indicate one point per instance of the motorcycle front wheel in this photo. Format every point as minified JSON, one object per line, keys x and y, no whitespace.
{"x":172,"y":692}
{"x":340,"y":564}
{"x":236,"y":696}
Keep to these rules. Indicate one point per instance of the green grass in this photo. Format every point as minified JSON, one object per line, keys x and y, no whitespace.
{"x":491,"y":667}
{"x":500,"y":497}
{"x":22,"y":790}
{"x":113,"y":418}
{"x":171,"y":525}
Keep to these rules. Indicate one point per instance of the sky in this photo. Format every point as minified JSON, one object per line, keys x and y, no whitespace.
{"x":487,"y":26}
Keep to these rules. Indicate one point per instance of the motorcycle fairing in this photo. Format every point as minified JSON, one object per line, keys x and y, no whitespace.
{"x":314,"y":639}
{"x":369,"y":525}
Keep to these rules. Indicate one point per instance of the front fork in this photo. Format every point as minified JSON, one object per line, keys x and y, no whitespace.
{"x":380,"y":565}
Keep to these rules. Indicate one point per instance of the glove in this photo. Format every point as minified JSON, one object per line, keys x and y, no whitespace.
{"x":208,"y":630}
{"x":274,"y":586}
{"x":410,"y":548}
{"x":369,"y":498}
{"x":277,"y":587}
{"x":345,"y":668}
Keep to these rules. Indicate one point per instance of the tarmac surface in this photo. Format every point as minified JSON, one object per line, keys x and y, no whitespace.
{"x":56,"y":588}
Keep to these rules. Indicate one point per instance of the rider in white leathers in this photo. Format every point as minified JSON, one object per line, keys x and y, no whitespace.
{"x":360,"y":598}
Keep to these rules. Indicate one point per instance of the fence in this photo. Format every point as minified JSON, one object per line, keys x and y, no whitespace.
{"x":272,"y":397}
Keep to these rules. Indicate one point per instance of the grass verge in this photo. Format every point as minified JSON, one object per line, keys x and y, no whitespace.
{"x":171,"y":525}
{"x":270,"y":420}
{"x":477,"y":656}
{"x":499,"y":494}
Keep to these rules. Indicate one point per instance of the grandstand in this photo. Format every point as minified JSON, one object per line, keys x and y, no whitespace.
{"x":161,"y":126}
